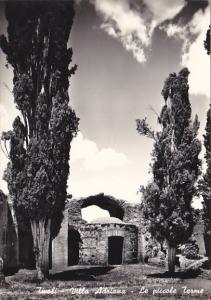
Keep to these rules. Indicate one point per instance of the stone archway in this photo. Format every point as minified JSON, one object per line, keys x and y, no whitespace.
{"x":109,"y":203}
{"x":115,"y":207}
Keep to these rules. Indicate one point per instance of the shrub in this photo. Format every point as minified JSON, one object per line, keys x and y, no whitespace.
{"x":190,"y":250}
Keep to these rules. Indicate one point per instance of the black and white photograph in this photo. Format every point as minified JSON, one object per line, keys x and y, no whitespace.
{"x":105,"y":149}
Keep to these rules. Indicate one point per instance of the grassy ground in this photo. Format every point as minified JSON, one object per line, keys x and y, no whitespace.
{"x":122,"y":282}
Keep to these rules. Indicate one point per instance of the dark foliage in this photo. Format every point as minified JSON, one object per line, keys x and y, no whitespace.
{"x":190,"y":250}
{"x":205,"y":183}
{"x":166,"y":203}
{"x":36,"y":48}
{"x":207,"y":41}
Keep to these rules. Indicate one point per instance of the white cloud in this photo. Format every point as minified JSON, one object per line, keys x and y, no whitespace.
{"x":125,"y":25}
{"x":193,"y":53}
{"x":120,"y":184}
{"x":94,"y":159}
{"x":94,"y":171}
{"x":106,"y":158}
{"x":164,"y":10}
{"x":196,"y":58}
{"x":132,"y":24}
{"x":82,"y":149}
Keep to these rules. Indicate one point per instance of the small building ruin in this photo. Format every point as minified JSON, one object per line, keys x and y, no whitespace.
{"x":104,"y":241}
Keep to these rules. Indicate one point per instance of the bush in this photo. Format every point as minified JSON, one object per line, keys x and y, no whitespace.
{"x":153,"y":248}
{"x":190,"y":250}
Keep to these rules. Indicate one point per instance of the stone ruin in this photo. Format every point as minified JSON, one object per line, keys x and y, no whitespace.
{"x":118,"y":239}
{"x":104,"y":241}
{"x":9,"y":250}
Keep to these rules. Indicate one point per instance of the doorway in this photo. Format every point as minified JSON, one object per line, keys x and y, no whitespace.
{"x":115,"y":247}
{"x":73,"y":247}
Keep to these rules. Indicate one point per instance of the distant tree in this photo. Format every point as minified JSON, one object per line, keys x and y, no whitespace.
{"x":36,"y":48}
{"x":205,"y":185}
{"x":166,"y":203}
{"x":207,"y":41}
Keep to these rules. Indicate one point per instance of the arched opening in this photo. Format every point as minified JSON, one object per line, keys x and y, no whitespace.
{"x":109,"y":206}
{"x":74,"y":241}
{"x":92,"y":212}
{"x":115,"y":247}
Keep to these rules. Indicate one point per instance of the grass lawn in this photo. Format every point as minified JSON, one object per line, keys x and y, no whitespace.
{"x":126,"y":282}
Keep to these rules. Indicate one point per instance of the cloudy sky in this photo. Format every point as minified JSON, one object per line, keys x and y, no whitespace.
{"x":124,"y":50}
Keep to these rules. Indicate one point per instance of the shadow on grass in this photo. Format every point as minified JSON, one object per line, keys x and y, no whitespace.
{"x":181,"y":274}
{"x":82,"y":274}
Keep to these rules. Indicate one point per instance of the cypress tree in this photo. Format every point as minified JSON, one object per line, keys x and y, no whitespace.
{"x":167,"y":199}
{"x":37,"y":173}
{"x":205,"y":185}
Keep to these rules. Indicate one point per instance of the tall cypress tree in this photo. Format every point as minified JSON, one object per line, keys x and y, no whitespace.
{"x":166,"y":203}
{"x":36,"y":48}
{"x":205,"y":186}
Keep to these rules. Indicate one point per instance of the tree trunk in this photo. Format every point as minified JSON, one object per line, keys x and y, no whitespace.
{"x":41,"y":239}
{"x":171,"y":258}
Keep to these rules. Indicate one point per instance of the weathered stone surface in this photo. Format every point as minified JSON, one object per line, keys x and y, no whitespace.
{"x":8,"y":235}
{"x":94,"y":237}
{"x":60,"y":246}
{"x":127,"y":212}
{"x":94,"y":249}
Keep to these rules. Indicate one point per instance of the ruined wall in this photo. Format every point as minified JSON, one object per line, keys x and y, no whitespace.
{"x":94,"y":246}
{"x":12,"y":241}
{"x":130,"y":212}
{"x":60,"y":246}
{"x":133,"y":215}
{"x":130,"y":244}
{"x":8,"y":236}
{"x":94,"y":249}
